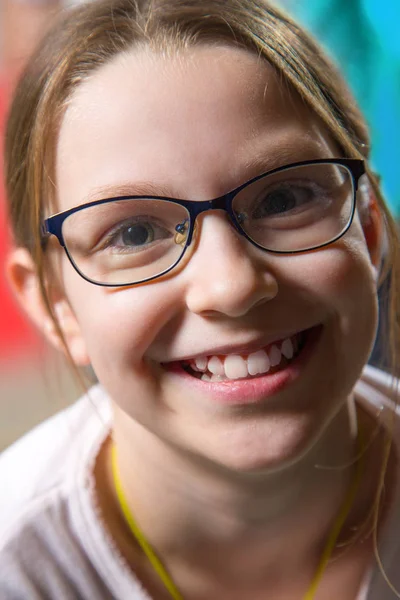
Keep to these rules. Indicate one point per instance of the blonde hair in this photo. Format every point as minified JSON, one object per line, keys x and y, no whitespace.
{"x":89,"y":36}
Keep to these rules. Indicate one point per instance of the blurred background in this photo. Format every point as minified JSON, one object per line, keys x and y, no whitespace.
{"x":360,"y":35}
{"x":34,"y":381}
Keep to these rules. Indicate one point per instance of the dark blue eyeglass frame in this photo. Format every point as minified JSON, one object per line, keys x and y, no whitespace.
{"x":53,"y":225}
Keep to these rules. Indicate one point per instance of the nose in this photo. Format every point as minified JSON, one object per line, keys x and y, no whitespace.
{"x":226,"y":274}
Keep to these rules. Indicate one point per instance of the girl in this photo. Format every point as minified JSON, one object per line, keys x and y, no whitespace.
{"x":195,"y":219}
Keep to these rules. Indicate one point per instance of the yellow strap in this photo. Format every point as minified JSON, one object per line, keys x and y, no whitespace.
{"x":162,"y":572}
{"x":339,"y":521}
{"x":334,"y":534}
{"x":147,"y":549}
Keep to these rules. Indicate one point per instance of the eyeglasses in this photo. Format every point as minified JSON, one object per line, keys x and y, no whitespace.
{"x":133,"y":239}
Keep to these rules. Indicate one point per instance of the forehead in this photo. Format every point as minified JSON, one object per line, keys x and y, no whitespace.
{"x":188,"y":123}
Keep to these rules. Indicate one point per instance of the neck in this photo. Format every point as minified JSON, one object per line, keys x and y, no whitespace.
{"x":257,"y":522}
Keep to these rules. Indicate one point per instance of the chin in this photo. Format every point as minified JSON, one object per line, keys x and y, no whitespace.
{"x":258,"y":448}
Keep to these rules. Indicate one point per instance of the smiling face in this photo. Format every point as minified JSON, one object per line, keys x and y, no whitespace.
{"x":195,"y":126}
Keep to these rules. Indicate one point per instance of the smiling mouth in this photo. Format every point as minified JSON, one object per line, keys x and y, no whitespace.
{"x":232,"y":367}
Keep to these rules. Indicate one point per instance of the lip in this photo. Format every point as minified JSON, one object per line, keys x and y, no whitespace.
{"x":256,"y":389}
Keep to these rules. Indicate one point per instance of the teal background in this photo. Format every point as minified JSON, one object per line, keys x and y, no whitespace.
{"x":363,"y":37}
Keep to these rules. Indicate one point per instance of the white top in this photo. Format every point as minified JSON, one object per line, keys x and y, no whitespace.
{"x":52,"y":542}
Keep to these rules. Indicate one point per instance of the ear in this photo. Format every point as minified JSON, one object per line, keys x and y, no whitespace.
{"x":372,"y":223}
{"x":24,"y":281}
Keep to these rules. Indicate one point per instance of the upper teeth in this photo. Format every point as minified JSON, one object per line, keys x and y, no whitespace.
{"x":235,"y":366}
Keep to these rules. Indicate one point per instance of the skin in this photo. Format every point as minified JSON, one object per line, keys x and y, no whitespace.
{"x":236,"y":482}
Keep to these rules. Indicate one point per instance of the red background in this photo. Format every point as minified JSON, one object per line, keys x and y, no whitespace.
{"x":17,"y":337}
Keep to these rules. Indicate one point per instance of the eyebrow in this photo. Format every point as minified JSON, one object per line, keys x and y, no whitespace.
{"x":283,"y":155}
{"x":137,"y":188}
{"x":278,"y":156}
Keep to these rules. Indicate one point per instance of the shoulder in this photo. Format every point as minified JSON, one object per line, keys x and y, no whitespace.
{"x":379,"y":394}
{"x":379,"y":390}
{"x":52,"y":540}
{"x":40,"y":551}
{"x":41,"y":466}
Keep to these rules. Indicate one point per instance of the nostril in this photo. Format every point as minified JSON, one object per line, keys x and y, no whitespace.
{"x":260,"y":302}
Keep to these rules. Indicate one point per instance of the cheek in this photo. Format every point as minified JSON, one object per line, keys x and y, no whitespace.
{"x":345,"y":282}
{"x":118,"y":326}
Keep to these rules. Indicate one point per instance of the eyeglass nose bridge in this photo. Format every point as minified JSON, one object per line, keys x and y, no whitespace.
{"x":223,"y":202}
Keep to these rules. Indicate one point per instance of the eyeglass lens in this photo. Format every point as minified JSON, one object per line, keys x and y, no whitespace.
{"x":297,"y":208}
{"x":129,"y":241}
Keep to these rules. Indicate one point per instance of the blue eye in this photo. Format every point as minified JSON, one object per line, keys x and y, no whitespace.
{"x":283,"y":200}
{"x":137,"y":234}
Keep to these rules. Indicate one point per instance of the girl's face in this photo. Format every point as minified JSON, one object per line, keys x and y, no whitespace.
{"x":195,"y":126}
